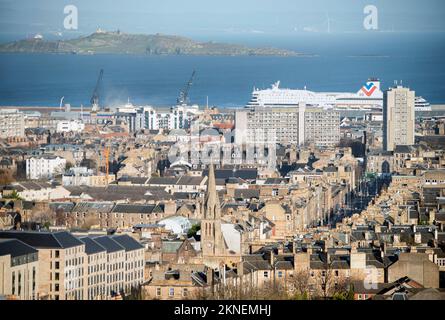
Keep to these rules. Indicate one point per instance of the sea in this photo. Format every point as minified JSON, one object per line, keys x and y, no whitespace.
{"x":331,"y":62}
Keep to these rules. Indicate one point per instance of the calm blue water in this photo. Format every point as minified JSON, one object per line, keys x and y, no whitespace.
{"x":342,"y":63}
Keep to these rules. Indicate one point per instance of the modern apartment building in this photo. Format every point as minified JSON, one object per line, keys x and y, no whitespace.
{"x":44,"y":167}
{"x":178,"y":117}
{"x":322,"y":127}
{"x":116,"y":264}
{"x":60,"y":266}
{"x":12,"y":123}
{"x":288,"y":125}
{"x":61,"y":263}
{"x":398,"y":117}
{"x":96,"y":282}
{"x":137,"y":118}
{"x":19,"y":269}
{"x":134,"y":261}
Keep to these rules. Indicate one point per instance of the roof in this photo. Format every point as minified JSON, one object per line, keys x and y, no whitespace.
{"x":65,"y":206}
{"x":120,"y":192}
{"x":91,"y":246}
{"x":127,"y":242}
{"x":15,"y":248}
{"x":133,"y":208}
{"x":99,"y":207}
{"x":31,"y":185}
{"x":163,"y":180}
{"x":109,"y":244}
{"x":171,"y":246}
{"x":190,"y":181}
{"x":402,"y":149}
{"x":44,"y":240}
{"x":133,"y":180}
{"x":245,"y":174}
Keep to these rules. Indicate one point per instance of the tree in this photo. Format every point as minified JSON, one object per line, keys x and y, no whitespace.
{"x":6,"y":177}
{"x":63,"y":218}
{"x":193,"y":230}
{"x":14,"y":195}
{"x":90,"y":221}
{"x":136,"y":293}
{"x":330,"y":282}
{"x":42,"y":214}
{"x":299,"y":285}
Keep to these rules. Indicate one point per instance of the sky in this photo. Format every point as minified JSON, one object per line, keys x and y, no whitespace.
{"x":218,"y":19}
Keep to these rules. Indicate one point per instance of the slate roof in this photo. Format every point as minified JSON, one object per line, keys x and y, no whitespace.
{"x":109,"y":244}
{"x":133,"y":180}
{"x":61,"y":239}
{"x":30,"y":185}
{"x":99,"y":207}
{"x":402,"y":149}
{"x":284,"y":262}
{"x":255,"y":262}
{"x":91,"y":246}
{"x":65,"y":206}
{"x":245,"y":174}
{"x":120,"y":192}
{"x":127,"y":242}
{"x":133,"y":208}
{"x":190,"y":181}
{"x":170,"y":246}
{"x":15,"y":248}
{"x":163,"y":180}
{"x":276,"y":181}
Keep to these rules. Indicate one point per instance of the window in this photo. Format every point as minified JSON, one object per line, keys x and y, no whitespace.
{"x":57,"y":253}
{"x":185,"y":292}
{"x":57,"y":265}
{"x":171,"y":292}
{"x":280,"y":274}
{"x":13,"y":283}
{"x":266,"y":274}
{"x":158,"y":292}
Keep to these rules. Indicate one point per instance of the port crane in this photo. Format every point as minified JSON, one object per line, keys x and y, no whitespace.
{"x":183,"y":95}
{"x":95,"y":97}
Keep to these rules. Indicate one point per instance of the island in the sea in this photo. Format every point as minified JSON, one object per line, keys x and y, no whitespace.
{"x":116,"y":42}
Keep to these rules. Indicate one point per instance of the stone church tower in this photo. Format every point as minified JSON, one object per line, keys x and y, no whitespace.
{"x":212,"y":240}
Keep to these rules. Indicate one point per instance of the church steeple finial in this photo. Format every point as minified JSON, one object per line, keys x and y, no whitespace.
{"x":212,"y":206}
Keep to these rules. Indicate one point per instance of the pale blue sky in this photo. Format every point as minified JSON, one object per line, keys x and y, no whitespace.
{"x":214,"y":19}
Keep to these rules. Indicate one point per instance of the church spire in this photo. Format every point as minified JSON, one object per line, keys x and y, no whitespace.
{"x":212,"y":206}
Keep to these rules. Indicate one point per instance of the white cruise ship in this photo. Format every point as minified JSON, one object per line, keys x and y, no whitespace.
{"x":422,"y":105}
{"x":369,"y":97}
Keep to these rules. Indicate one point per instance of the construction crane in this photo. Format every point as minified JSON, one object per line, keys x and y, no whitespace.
{"x":107,"y":163}
{"x":95,"y":97}
{"x":183,"y":95}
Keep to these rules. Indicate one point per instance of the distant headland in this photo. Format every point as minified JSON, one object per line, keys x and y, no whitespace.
{"x":116,"y":42}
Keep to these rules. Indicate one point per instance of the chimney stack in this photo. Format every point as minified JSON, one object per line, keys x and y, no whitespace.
{"x":240,"y":268}
{"x":210,"y":276}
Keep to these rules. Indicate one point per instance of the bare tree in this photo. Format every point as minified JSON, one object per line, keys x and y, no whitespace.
{"x":6,"y":177}
{"x":90,"y":220}
{"x":64,"y":218}
{"x":299,"y":284}
{"x":330,"y":282}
